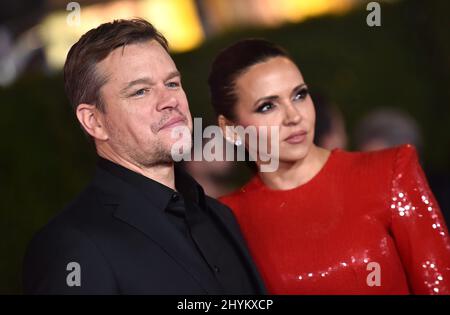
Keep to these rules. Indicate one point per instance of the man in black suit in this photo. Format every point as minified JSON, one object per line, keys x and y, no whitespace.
{"x":141,"y":226}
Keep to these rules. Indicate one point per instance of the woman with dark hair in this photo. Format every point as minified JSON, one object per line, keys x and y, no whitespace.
{"x":325,"y":222}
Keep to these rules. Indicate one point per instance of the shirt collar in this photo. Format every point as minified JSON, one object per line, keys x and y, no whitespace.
{"x":159,"y":194}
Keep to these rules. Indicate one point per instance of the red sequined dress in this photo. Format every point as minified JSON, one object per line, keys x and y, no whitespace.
{"x":367,"y":223}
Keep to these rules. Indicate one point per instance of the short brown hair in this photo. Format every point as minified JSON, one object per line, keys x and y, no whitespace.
{"x":82,"y":82}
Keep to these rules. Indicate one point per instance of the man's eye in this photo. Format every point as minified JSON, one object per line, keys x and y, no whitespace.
{"x":301,"y":94}
{"x":140,"y":92}
{"x":173,"y":84}
{"x":264,"y":107}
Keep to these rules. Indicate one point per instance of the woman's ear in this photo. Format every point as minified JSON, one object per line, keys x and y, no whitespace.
{"x":92,"y":121}
{"x":228,"y":130}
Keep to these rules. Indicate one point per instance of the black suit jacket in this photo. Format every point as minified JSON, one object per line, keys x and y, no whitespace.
{"x":122,"y":245}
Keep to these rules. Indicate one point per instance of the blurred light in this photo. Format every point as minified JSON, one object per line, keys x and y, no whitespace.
{"x":297,"y":10}
{"x":176,"y":19}
{"x":225,"y":14}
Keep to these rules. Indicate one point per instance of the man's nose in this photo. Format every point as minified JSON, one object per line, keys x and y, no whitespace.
{"x":167,"y":101}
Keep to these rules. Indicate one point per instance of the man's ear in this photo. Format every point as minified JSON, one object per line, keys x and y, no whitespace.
{"x":91,"y":119}
{"x":227,"y":127}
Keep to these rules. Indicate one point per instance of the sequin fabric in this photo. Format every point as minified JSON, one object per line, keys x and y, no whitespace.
{"x":367,"y":223}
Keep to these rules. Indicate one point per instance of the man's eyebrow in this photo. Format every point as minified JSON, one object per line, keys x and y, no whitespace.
{"x":144,"y":80}
{"x":173,"y":74}
{"x":147,"y":80}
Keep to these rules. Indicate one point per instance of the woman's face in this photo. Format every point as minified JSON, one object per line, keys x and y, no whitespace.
{"x":273,"y":93}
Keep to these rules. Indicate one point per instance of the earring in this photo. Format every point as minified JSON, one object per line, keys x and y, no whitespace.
{"x":238,"y":142}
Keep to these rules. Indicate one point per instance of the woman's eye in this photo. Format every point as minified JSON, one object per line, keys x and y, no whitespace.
{"x":264,"y":107}
{"x":301,"y":94}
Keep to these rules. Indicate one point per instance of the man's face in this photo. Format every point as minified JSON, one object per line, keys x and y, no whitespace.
{"x":143,"y":101}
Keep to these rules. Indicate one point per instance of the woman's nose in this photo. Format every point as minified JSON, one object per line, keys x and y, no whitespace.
{"x":292,"y":115}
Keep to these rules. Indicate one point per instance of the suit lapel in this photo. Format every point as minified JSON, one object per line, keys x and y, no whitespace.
{"x":235,"y":234}
{"x":136,"y":210}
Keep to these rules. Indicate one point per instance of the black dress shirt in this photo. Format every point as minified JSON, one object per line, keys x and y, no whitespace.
{"x":186,"y":209}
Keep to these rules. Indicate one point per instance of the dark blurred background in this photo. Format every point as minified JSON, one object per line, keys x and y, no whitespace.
{"x":374,"y":87}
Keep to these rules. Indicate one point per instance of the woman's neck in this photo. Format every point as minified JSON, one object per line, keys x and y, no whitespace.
{"x":293,"y":174}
